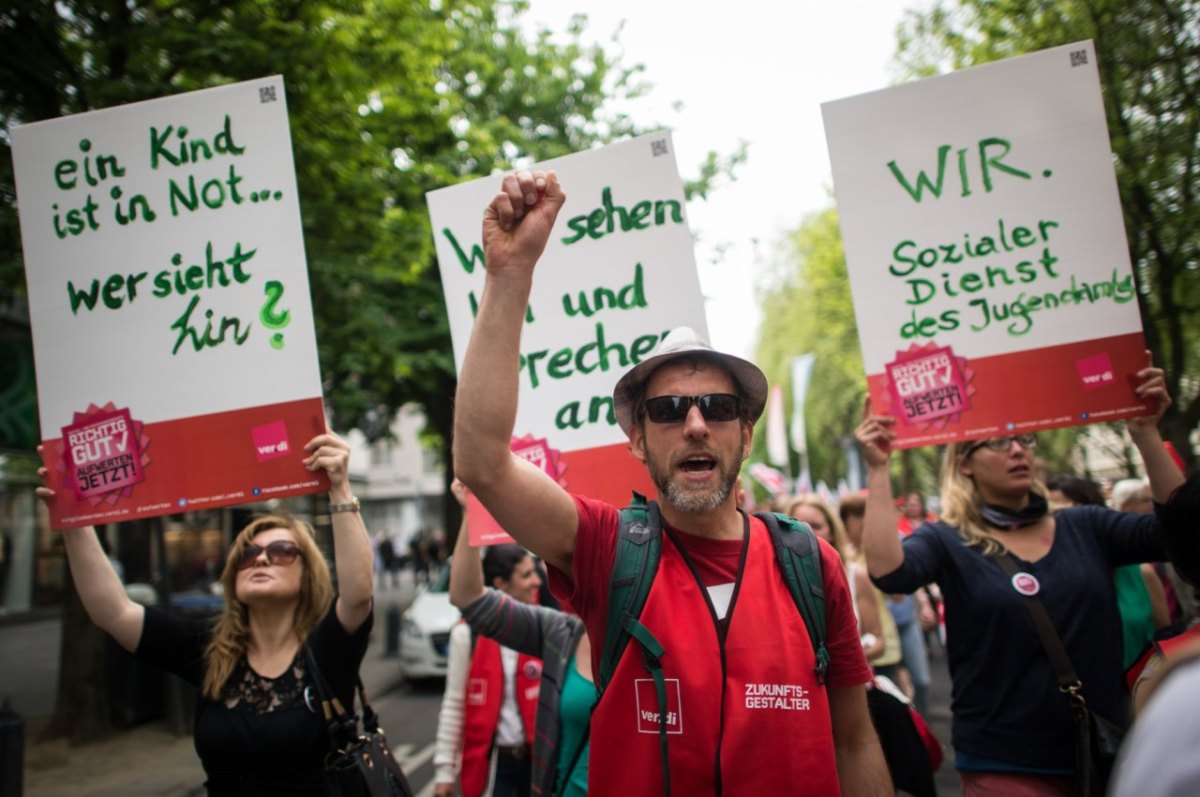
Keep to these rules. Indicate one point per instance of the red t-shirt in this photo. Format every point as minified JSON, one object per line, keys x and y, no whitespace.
{"x":716,"y":562}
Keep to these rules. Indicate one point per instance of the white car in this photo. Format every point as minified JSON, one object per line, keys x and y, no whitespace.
{"x":425,"y":630}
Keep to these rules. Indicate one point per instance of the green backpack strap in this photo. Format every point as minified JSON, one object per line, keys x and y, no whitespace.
{"x":799,"y":558}
{"x":639,"y":546}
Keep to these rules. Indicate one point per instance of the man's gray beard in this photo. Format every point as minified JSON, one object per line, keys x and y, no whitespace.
{"x":693,"y":502}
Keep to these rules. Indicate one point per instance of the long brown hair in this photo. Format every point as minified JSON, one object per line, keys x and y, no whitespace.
{"x":961,"y":502}
{"x":231,"y":633}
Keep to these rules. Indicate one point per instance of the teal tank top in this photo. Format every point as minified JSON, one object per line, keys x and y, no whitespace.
{"x":575,"y":711}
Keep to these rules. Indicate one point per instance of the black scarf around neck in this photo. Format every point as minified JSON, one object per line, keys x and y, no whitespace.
{"x":1005,"y":519}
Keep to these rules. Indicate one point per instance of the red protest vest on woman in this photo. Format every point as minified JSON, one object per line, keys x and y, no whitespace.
{"x":485,"y":694}
{"x":776,"y":735}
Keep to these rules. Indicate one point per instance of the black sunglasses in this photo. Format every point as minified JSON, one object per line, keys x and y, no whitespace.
{"x":1001,"y":445}
{"x":675,"y":409}
{"x":279,"y":552}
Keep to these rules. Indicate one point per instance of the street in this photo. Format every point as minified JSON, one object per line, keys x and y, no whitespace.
{"x":409,"y":717}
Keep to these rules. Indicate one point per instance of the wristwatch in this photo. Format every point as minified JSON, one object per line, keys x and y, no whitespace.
{"x":352,"y":505}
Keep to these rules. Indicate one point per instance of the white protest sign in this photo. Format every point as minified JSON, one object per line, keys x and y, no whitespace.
{"x":618,"y":273}
{"x":169,"y":303}
{"x":986,"y":249}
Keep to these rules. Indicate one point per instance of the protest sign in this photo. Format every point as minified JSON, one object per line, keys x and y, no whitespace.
{"x":986,"y":250}
{"x":616,"y":276}
{"x":169,"y":305}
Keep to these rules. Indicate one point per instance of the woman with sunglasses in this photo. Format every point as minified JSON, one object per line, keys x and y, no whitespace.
{"x":257,"y":730}
{"x":1013,"y":731}
{"x":558,"y":759}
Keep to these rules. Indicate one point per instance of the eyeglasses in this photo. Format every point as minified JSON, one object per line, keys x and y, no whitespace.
{"x":1001,"y":445}
{"x":675,"y":409}
{"x":278,"y":553}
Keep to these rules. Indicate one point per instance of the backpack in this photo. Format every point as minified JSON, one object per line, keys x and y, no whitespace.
{"x":639,"y":545}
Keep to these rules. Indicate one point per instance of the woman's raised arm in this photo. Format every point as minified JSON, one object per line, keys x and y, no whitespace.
{"x":351,"y":545}
{"x":100,"y":589}
{"x":881,"y":544}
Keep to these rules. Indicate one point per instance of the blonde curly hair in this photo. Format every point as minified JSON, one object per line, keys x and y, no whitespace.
{"x":231,"y":632}
{"x":837,"y":530}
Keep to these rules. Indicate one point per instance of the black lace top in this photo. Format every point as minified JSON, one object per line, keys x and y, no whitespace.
{"x":248,"y":691}
{"x":262,"y":737}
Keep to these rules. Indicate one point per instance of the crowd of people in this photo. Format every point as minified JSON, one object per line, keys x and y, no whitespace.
{"x":691,"y":646}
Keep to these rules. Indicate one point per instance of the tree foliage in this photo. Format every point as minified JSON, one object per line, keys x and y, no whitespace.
{"x":1149,"y":65}
{"x":807,"y":308}
{"x":388,"y":99}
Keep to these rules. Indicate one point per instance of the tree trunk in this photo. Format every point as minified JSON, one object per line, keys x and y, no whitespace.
{"x":81,"y":709}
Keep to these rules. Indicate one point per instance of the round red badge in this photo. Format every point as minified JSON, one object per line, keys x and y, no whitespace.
{"x":1026,"y":584}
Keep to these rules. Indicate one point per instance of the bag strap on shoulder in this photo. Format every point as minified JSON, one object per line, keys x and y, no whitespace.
{"x":799,"y":558}
{"x":341,"y":725}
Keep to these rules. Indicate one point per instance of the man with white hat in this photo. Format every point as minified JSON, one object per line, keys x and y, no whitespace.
{"x":746,"y":710}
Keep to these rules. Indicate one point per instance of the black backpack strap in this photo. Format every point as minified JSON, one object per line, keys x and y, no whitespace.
{"x":635,"y":563}
{"x":799,"y":558}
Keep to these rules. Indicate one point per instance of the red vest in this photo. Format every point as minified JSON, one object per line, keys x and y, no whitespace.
{"x":776,"y":736}
{"x":485,"y":693}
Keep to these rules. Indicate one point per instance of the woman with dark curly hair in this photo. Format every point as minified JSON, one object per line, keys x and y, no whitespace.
{"x":257,"y":727}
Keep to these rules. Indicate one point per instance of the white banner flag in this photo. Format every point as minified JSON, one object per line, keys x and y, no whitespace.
{"x":801,"y":373}
{"x":777,"y":448}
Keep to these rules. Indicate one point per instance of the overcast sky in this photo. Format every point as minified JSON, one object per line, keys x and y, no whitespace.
{"x":758,"y":75}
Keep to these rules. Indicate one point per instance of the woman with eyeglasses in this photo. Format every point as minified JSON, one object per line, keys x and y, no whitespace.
{"x":1013,"y":731}
{"x":257,"y":727}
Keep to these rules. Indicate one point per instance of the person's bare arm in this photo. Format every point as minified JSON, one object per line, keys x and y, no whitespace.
{"x":466,"y":572}
{"x":526,"y":502}
{"x":861,"y":767}
{"x":881,"y":544}
{"x":352,"y":546}
{"x":100,"y":589}
{"x":1161,"y":471}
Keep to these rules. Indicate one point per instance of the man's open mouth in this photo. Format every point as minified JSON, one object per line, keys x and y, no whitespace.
{"x":698,"y":464}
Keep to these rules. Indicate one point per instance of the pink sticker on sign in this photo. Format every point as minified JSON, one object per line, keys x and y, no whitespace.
{"x":538,"y":452}
{"x":270,"y":441}
{"x":102,"y":452}
{"x":927,"y":384}
{"x":1096,"y":371}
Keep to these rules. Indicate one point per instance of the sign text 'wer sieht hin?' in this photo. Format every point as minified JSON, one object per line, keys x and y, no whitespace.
{"x":617,"y":274}
{"x":986,"y":249}
{"x":168,"y":294}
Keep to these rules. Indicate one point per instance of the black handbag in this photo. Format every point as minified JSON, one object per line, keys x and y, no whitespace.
{"x":1097,"y":740}
{"x":359,"y":764}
